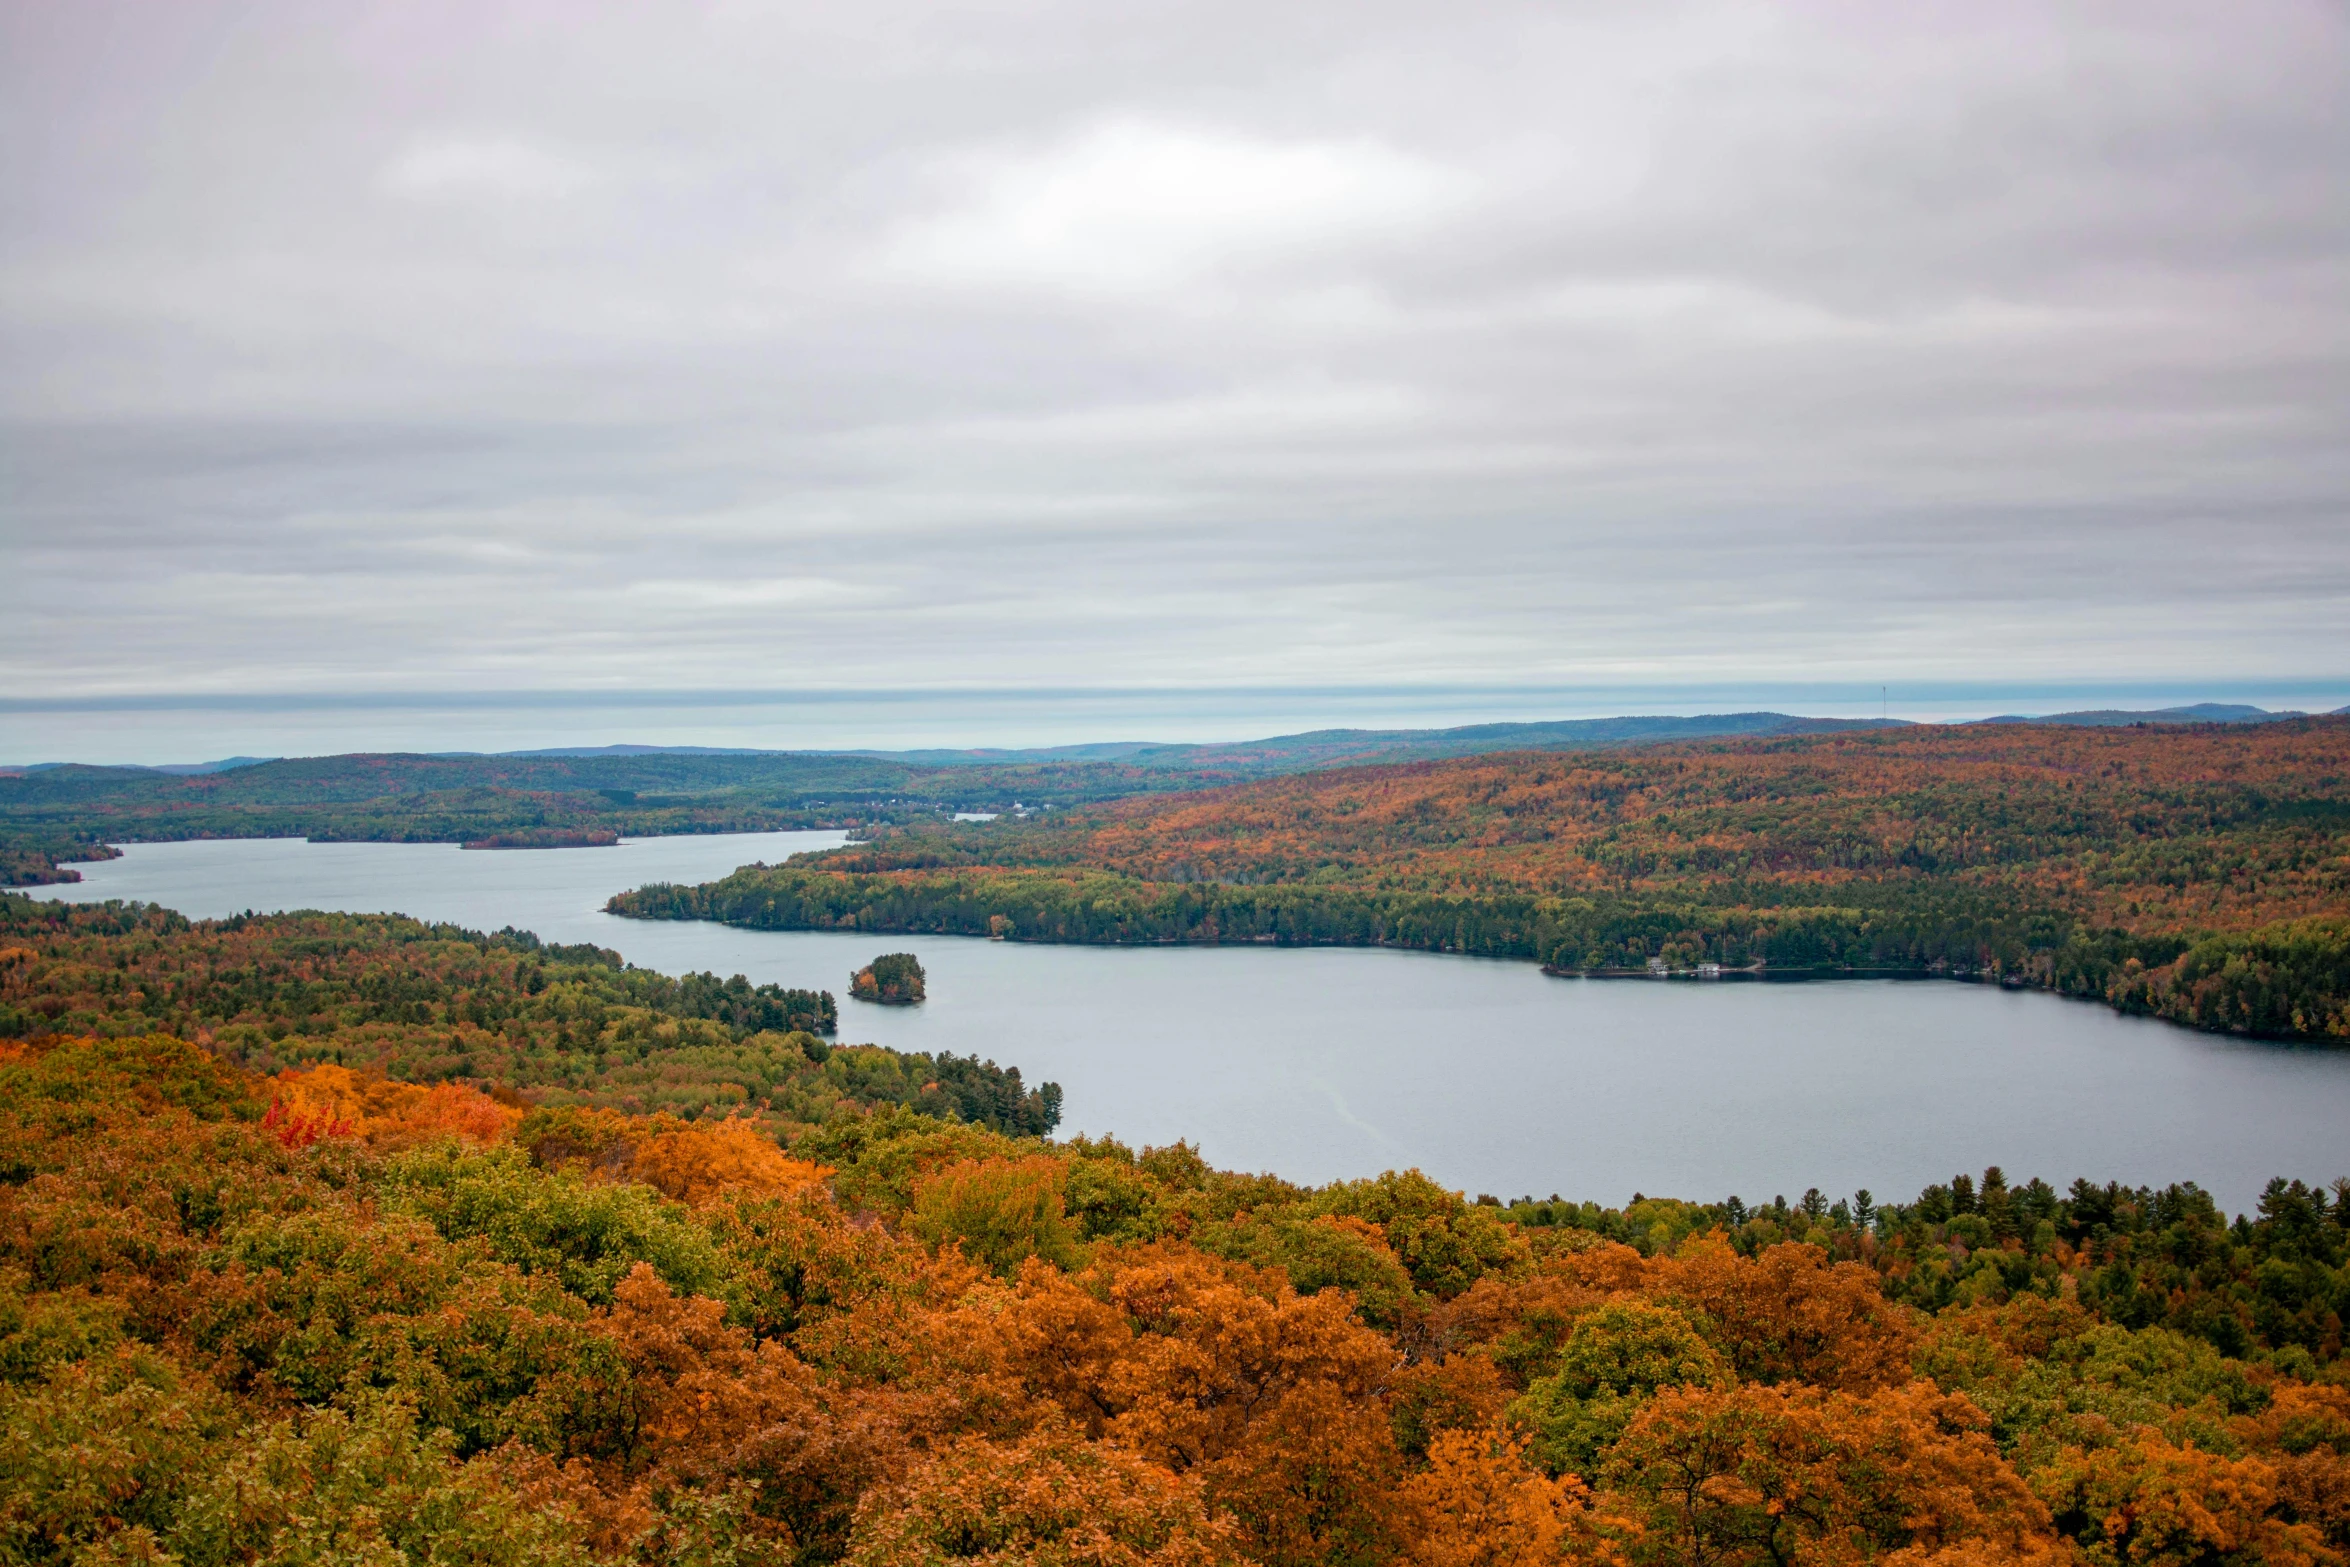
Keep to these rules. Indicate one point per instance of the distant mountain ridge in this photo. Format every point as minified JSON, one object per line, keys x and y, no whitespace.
{"x":2198,"y":713}
{"x":1329,"y":747}
{"x":225,"y":765}
{"x":1281,"y":753}
{"x":1276,"y":753}
{"x":175,"y":769}
{"x":649,"y":750}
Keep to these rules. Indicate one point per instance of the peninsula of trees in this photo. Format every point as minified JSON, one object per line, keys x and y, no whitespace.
{"x":526,"y":1297}
{"x":418,"y":1003}
{"x":2198,"y":873}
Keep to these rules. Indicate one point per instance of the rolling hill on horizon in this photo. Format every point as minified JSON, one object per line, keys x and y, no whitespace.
{"x":1311,"y":747}
{"x":1318,"y":745}
{"x":59,"y":812}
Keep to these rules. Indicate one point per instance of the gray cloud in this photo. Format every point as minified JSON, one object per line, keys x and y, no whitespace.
{"x":530,"y":347}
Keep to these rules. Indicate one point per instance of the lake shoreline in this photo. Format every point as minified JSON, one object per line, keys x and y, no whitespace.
{"x":629,"y":906}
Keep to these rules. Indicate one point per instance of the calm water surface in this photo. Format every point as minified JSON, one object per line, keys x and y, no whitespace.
{"x":1321,"y":1063}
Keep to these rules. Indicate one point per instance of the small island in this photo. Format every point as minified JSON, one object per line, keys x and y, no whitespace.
{"x":892,"y":980}
{"x":547,"y":838}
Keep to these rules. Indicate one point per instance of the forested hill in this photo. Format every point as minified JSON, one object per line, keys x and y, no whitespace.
{"x":2202,"y":872}
{"x":422,"y":1003}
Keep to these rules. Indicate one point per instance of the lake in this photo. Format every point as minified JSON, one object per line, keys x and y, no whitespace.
{"x":1322,"y":1063}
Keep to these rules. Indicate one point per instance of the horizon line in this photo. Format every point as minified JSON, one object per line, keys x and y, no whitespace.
{"x":1679,"y":693}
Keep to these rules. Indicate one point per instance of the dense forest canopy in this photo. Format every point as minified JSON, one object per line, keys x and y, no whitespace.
{"x":2199,"y":872}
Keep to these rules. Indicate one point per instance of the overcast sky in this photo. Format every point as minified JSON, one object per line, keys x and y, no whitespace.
{"x":484,"y":347}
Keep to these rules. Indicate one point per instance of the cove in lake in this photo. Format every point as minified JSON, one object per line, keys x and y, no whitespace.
{"x":1325,"y":1063}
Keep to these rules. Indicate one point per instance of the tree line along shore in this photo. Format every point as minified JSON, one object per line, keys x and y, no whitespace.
{"x":2200,"y":875}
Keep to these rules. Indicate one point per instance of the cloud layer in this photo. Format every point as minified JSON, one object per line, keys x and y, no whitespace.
{"x":591,"y":348}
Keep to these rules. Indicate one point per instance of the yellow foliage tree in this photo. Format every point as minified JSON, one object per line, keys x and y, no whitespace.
{"x":698,"y":1163}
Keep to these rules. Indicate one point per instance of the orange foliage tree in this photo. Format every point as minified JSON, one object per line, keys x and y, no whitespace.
{"x":1772,"y":1474}
{"x":1050,"y":1497}
{"x":333,"y":1101}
